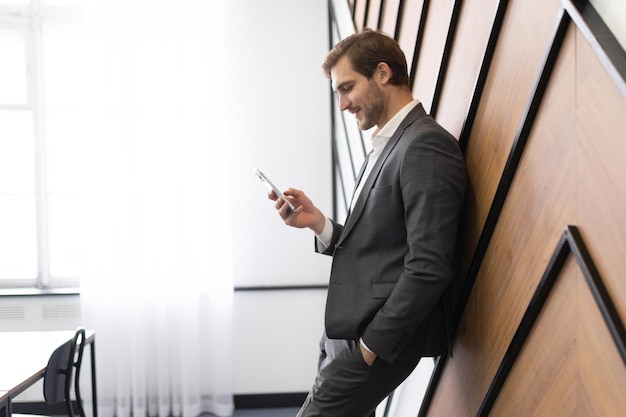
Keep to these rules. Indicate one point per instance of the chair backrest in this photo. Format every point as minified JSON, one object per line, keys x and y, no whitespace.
{"x":64,"y":363}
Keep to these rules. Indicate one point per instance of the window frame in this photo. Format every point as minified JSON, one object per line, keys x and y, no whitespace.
{"x":27,"y":19}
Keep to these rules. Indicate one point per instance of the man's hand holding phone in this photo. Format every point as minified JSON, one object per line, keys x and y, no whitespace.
{"x":297,"y":210}
{"x":274,"y":191}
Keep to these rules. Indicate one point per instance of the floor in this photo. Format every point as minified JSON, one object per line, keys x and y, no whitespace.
{"x":267,"y":412}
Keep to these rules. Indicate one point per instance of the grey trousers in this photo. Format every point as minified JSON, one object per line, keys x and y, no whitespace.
{"x":345,"y":386}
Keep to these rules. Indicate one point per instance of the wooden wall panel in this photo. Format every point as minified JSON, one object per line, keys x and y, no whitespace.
{"x":569,"y":365}
{"x":409,"y":25}
{"x":520,"y":248}
{"x":601,"y":129}
{"x":508,"y":362}
{"x":474,"y":27}
{"x":389,"y":17}
{"x":360,"y":14}
{"x":431,"y":51}
{"x":601,"y":370}
{"x":546,"y":371}
{"x":373,"y":13}
{"x":514,"y":70}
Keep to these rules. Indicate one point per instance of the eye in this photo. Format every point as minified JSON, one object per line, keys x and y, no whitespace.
{"x":344,"y":88}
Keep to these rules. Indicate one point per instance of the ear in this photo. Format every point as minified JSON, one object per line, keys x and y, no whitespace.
{"x":383,"y":72}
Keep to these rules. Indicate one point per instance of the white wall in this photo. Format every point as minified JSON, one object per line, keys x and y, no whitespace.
{"x":276,"y":340}
{"x":278,"y":101}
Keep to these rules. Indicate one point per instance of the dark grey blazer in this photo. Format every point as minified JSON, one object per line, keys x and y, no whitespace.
{"x":392,"y":261}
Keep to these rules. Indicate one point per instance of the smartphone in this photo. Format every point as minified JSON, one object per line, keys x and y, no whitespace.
{"x":270,"y":186}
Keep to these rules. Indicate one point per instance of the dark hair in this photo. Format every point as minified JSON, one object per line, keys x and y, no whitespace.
{"x":366,"y":50}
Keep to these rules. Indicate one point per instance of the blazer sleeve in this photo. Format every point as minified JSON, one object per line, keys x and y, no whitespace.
{"x":337,"y":228}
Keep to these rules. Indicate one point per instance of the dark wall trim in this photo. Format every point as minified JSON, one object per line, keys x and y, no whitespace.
{"x":396,"y":32}
{"x":366,"y":14}
{"x":613,"y":57}
{"x":269,"y":400}
{"x":432,"y":384}
{"x":333,"y":120}
{"x":512,"y":162}
{"x":281,"y":288}
{"x":508,"y":174}
{"x":41,"y":408}
{"x":36,"y":292}
{"x":606,"y":47}
{"x":570,"y":243}
{"x":602,"y":41}
{"x":445,"y":57}
{"x":25,"y":292}
{"x":418,"y":42}
{"x":494,"y":35}
{"x":381,"y":10}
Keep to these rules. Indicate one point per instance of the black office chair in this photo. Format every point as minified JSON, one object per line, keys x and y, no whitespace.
{"x":63,"y":366}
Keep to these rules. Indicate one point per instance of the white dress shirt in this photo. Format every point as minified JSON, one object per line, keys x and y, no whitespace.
{"x":379,"y":139}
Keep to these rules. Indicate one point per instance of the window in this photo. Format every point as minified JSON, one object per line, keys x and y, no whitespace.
{"x":39,"y":128}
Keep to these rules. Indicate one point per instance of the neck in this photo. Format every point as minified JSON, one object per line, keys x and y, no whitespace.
{"x":395,"y":102}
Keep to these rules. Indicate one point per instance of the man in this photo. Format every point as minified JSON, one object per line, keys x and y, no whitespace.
{"x":387,"y":304}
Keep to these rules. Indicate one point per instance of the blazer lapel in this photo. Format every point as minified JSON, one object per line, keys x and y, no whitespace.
{"x":359,"y":205}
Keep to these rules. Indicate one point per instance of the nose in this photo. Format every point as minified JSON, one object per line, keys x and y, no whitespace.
{"x":344,"y":103}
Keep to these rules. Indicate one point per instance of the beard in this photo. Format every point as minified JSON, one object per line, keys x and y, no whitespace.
{"x":373,"y":107}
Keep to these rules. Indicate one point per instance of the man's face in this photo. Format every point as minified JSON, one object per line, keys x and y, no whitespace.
{"x":357,"y":94}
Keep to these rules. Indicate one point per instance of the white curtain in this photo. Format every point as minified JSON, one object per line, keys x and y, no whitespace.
{"x":157,"y":286}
